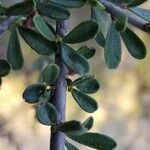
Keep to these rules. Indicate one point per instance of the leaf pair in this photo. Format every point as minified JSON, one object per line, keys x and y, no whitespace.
{"x":46,"y":45}
{"x":76,"y":127}
{"x":112,"y":48}
{"x":89,"y":85}
{"x":46,"y":112}
{"x":72,"y":59}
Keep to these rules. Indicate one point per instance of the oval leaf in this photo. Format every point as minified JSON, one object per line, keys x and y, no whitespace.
{"x":71,"y":3}
{"x":72,"y":127}
{"x":95,"y":140}
{"x":86,"y":102}
{"x":20,"y":8}
{"x":87,"y":84}
{"x":76,"y":127}
{"x":83,"y":32}
{"x":33,"y":92}
{"x":134,"y":44}
{"x":14,"y":54}
{"x":86,"y":52}
{"x":4,"y":68}
{"x":112,"y":50}
{"x":42,"y":27}
{"x":70,"y":146}
{"x":73,"y":60}
{"x":47,"y":114}
{"x":37,"y":42}
{"x":59,"y":13}
{"x":50,"y":73}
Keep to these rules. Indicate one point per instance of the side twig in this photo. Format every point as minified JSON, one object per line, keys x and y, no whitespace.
{"x":133,"y":19}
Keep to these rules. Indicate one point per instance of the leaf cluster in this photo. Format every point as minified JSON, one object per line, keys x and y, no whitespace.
{"x":107,"y":30}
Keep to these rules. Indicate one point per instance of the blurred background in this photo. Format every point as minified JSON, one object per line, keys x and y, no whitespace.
{"x":124,"y":98}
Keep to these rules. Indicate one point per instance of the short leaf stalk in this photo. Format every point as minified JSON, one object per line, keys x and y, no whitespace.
{"x":57,"y":138}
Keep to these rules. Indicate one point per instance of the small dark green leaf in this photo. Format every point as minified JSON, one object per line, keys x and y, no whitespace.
{"x":136,"y":3}
{"x":33,"y":92}
{"x":72,"y":127}
{"x":112,"y":49}
{"x":70,"y":146}
{"x":73,"y":60}
{"x":53,"y":11}
{"x":88,"y":123}
{"x":70,"y":3}
{"x":86,"y":102}
{"x":121,"y":22}
{"x":95,"y":140}
{"x":37,"y":41}
{"x":134,"y":44}
{"x":83,"y":32}
{"x":20,"y":8}
{"x":87,"y":84}
{"x":42,"y":27}
{"x":47,"y":114}
{"x":144,"y":13}
{"x":14,"y":54}
{"x":76,"y":127}
{"x":50,"y":73}
{"x":100,"y":39}
{"x":86,"y":52}
{"x":4,"y":68}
